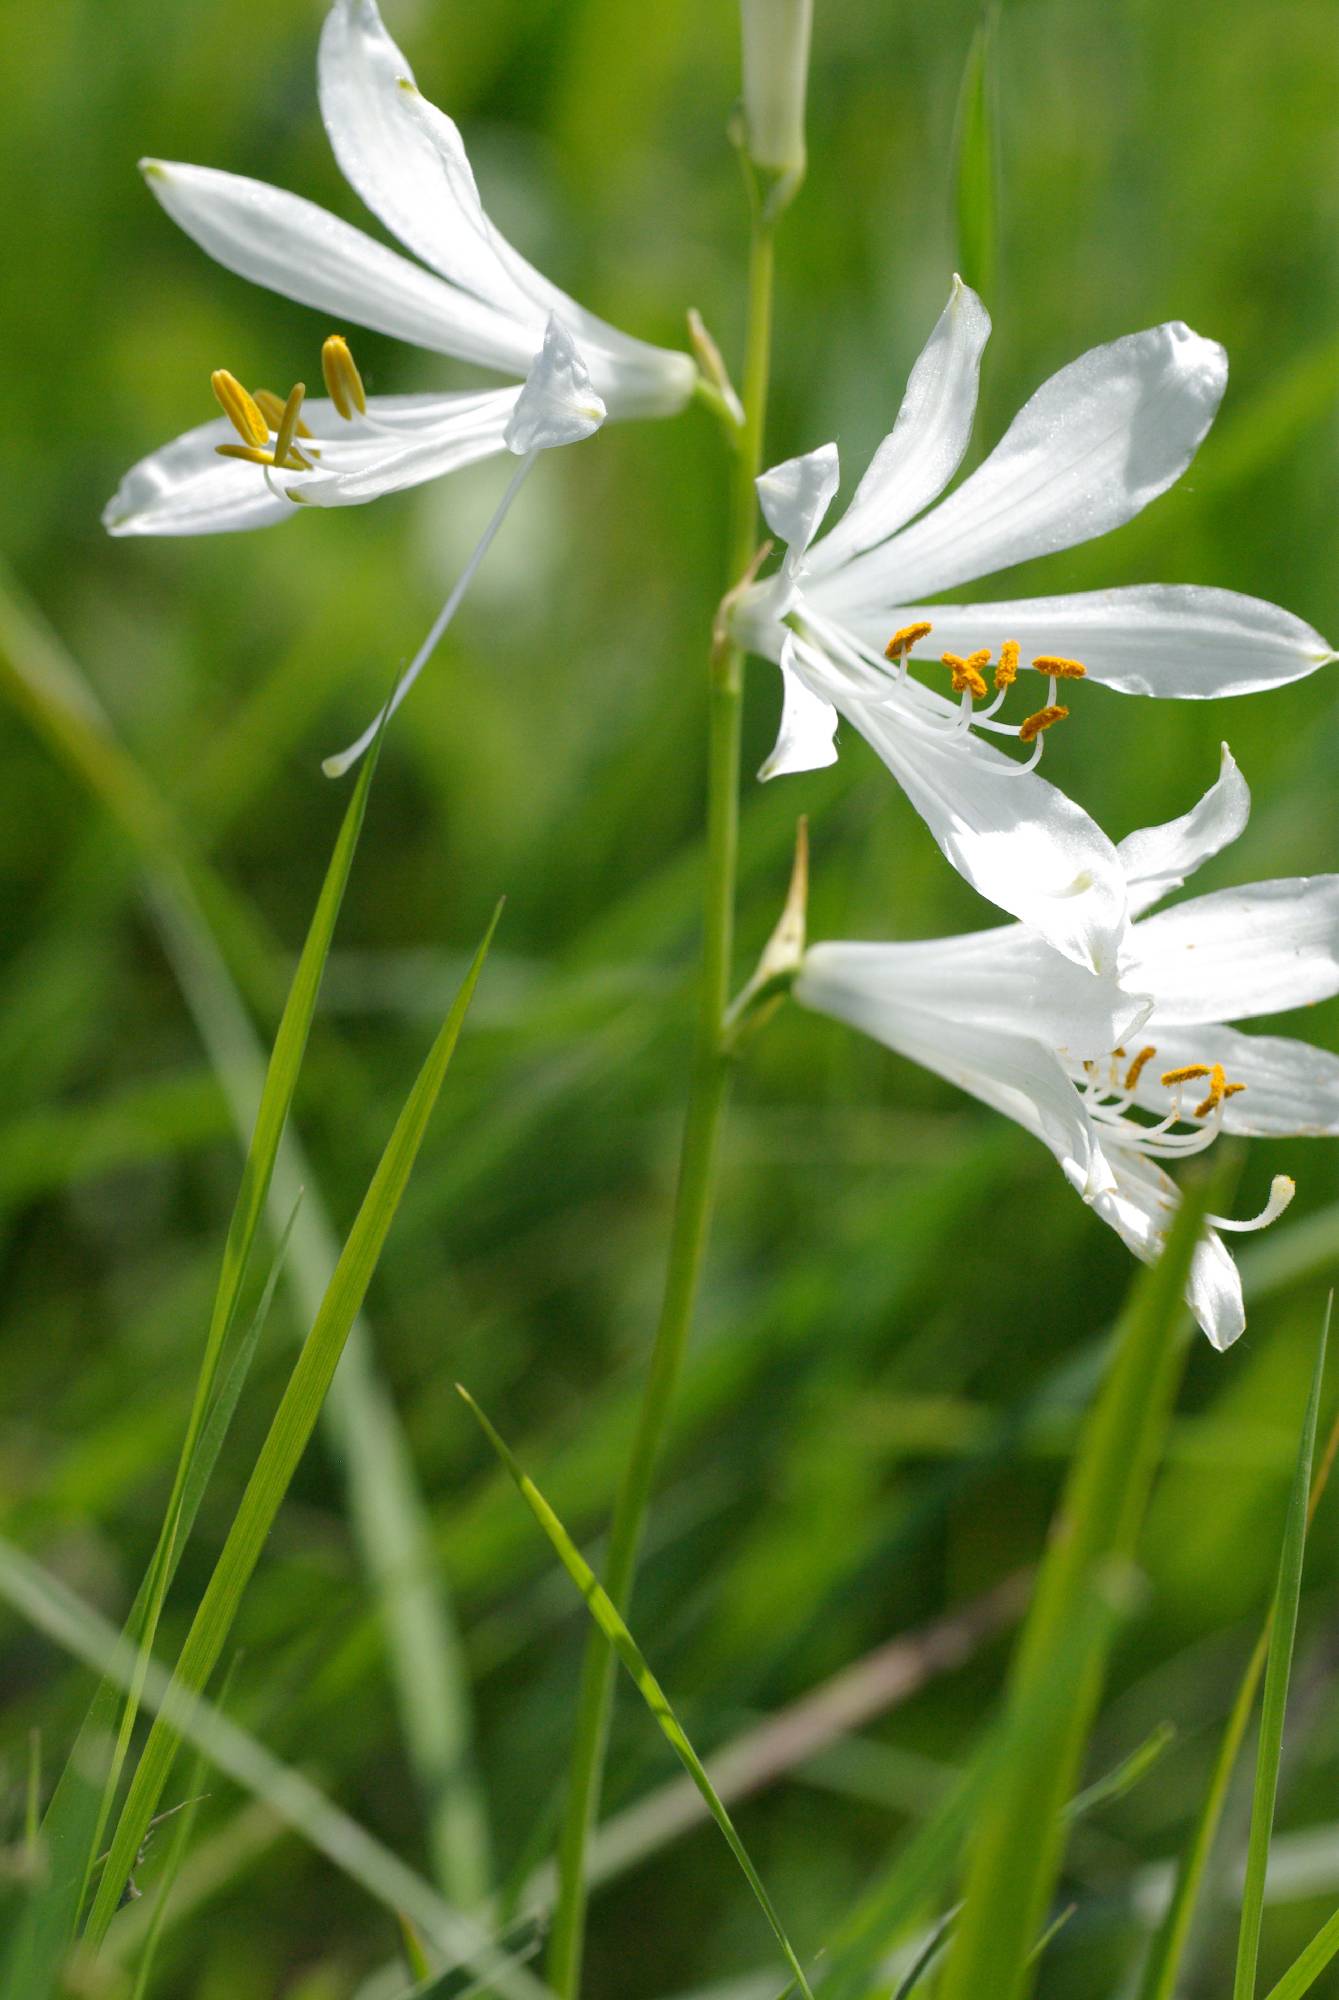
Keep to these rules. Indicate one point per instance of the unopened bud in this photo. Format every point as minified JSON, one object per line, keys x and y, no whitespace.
{"x":776,"y":70}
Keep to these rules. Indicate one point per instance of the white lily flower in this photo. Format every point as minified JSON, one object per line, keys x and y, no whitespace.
{"x":477,"y":300}
{"x":849,"y":610}
{"x":1121,"y":1085}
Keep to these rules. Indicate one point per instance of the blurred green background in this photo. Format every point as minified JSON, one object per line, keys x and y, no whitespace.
{"x":902,"y":1294}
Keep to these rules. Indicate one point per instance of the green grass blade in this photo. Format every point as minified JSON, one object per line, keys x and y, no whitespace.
{"x":387,"y":1513}
{"x":1162,"y":1967}
{"x":1016,"y":1852}
{"x":51,"y":1607}
{"x":625,"y":1647}
{"x":1131,"y":1771}
{"x":1303,"y":1973}
{"x":283,"y":1447}
{"x":1278,"y":1671}
{"x":976,"y":187}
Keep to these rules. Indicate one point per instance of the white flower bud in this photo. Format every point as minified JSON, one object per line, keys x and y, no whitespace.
{"x":776,"y":68}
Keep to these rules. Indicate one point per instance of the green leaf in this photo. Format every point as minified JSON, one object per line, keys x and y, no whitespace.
{"x":976,"y":186}
{"x":628,"y":1652}
{"x":1278,"y":1671}
{"x":1017,"y":1849}
{"x":282,"y":1449}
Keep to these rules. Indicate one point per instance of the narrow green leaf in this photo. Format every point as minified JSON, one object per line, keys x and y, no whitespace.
{"x":283,"y":1448}
{"x":976,"y":187}
{"x":182,"y":1830}
{"x":625,"y":1647}
{"x":1303,"y":1973}
{"x":79,"y":1810}
{"x":1018,"y":1844}
{"x":1278,"y":1671}
{"x":1131,"y":1771}
{"x":1162,"y":1967}
{"x":415,"y":1957}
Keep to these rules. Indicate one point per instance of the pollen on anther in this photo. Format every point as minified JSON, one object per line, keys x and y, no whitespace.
{"x":1045,"y":718}
{"x":1062,"y":669}
{"x":904,"y":639}
{"x":967,"y":675}
{"x":1006,"y":673}
{"x":1191,"y":1073}
{"x":344,"y":384}
{"x":239,"y":408}
{"x":1136,"y":1069}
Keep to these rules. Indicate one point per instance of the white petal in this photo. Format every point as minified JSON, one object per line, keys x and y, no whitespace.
{"x":1182,"y":641}
{"x":1010,"y":1072}
{"x":557,"y":404}
{"x":1013,"y":836}
{"x":424,"y":194}
{"x":1292,"y":1089}
{"x":299,"y":250}
{"x":1240,"y":952}
{"x":1140,"y":1209}
{"x":636,"y":378}
{"x":379,"y":464}
{"x":185,"y":488}
{"x":1006,"y":978}
{"x":1091,"y":448}
{"x":808,"y":723}
{"x":925,"y":446}
{"x":795,"y":495}
{"x":1157,"y":859}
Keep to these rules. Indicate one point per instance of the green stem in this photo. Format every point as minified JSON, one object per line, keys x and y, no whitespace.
{"x":697,"y":1161}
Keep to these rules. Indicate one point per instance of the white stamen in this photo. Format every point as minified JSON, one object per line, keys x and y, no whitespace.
{"x":335,"y":767}
{"x":1282,"y":1189}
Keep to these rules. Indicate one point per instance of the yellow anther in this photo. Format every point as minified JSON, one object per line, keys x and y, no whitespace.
{"x":344,"y":385}
{"x":1119,"y":1054}
{"x":284,"y":453}
{"x":1064,"y":670}
{"x":271,"y":408}
{"x":239,"y":408}
{"x":1233,"y":1090}
{"x":1136,"y":1069}
{"x":1219,"y":1091}
{"x":1045,"y":718}
{"x":967,"y":675}
{"x":904,"y":639}
{"x":252,"y":453}
{"x":1006,"y":673}
{"x":1190,"y":1074}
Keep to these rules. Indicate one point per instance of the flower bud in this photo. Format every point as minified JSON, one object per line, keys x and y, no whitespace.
{"x":776,"y":68}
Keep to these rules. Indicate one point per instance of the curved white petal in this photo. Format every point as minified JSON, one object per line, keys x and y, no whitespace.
{"x":185,"y":488}
{"x":1091,"y":448}
{"x":557,"y":404}
{"x":1009,"y":1071}
{"x":380,"y":465}
{"x":424,"y":193}
{"x":925,"y":446}
{"x":293,"y":247}
{"x":1140,"y":1208}
{"x":1006,"y":978}
{"x":805,"y":739}
{"x":1292,"y":1089}
{"x":1015,"y":838}
{"x":795,"y":495}
{"x":1157,"y":859}
{"x":1256,"y":950}
{"x":1185,"y":642}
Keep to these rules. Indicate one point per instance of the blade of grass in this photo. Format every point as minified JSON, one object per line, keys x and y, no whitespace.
{"x":1016,"y":1851}
{"x":387,"y":1513}
{"x":51,"y":1607}
{"x":1131,"y":1771}
{"x":1163,"y":1965}
{"x":1278,"y":1671}
{"x":1303,"y":1973}
{"x":976,"y":193}
{"x":625,"y":1647}
{"x":283,"y":1447}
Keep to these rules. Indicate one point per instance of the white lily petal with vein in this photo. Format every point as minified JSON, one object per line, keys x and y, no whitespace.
{"x":1093,"y":446}
{"x":1120,"y":1078}
{"x":477,"y":300}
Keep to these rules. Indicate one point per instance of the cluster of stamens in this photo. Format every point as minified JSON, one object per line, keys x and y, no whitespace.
{"x":968,"y":679}
{"x":1109,"y":1100}
{"x":269,"y":426}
